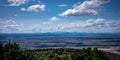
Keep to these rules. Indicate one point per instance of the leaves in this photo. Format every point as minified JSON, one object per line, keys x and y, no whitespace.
{"x":13,"y":52}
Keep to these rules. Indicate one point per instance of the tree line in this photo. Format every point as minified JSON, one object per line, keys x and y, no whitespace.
{"x":12,"y":51}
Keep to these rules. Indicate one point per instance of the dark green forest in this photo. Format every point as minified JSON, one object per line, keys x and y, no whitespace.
{"x":12,"y":51}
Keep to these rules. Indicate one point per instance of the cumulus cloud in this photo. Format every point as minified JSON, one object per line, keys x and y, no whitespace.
{"x":90,"y":7}
{"x":8,"y":22}
{"x":22,"y":9}
{"x":91,"y":25}
{"x":17,"y":2}
{"x":12,"y":27}
{"x":62,"y":5}
{"x":52,"y":19}
{"x":69,"y":26}
{"x":9,"y":25}
{"x":97,"y":22}
{"x":35,"y":8}
{"x":114,"y":23}
{"x":102,"y":23}
{"x":30,"y":28}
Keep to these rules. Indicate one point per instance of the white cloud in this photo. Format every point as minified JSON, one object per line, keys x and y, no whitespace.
{"x":91,"y":25}
{"x":97,"y":22}
{"x":9,"y":22}
{"x":17,"y":2}
{"x":52,"y":19}
{"x":22,"y":9}
{"x":12,"y":27}
{"x":62,"y":5}
{"x":36,"y":8}
{"x":114,"y":23}
{"x":69,"y":26}
{"x":30,"y":28}
{"x":85,"y":8}
{"x":9,"y":26}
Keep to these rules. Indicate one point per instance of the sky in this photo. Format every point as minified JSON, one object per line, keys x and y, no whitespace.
{"x":38,"y":16}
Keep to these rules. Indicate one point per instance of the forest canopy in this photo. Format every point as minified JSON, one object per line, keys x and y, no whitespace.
{"x":12,"y":51}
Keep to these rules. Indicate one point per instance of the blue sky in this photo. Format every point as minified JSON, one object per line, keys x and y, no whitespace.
{"x":31,"y":16}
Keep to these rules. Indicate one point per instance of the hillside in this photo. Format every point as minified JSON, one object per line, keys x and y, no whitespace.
{"x":13,"y":52}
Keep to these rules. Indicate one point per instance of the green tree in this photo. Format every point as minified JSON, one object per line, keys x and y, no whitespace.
{"x":1,"y":52}
{"x":12,"y":52}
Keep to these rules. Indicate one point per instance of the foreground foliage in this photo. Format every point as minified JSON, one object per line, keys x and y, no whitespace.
{"x":13,"y":52}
